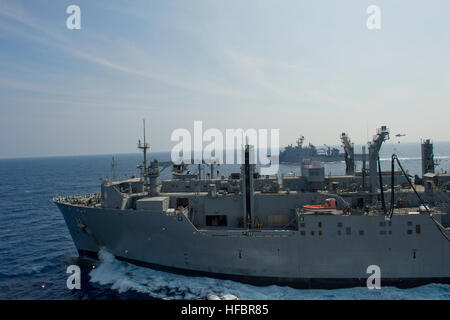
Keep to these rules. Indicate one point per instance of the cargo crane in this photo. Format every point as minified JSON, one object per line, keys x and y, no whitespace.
{"x":374,"y":148}
{"x":428,"y":161}
{"x":349,"y":154}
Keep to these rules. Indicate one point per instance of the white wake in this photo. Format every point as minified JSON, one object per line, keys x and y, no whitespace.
{"x":123,"y":277}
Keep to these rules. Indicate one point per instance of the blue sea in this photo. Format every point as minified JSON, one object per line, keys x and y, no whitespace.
{"x":36,"y":247}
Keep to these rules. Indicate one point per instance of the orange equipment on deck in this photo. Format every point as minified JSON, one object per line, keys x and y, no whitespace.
{"x":329,"y":204}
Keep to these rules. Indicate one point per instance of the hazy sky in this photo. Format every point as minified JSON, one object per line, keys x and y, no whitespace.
{"x":305,"y":67}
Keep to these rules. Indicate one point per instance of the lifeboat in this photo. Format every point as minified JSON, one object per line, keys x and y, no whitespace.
{"x":329,"y":205}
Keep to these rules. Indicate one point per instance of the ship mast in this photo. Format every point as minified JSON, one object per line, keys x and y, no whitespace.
{"x":247,"y":184}
{"x":144,"y":146}
{"x":113,"y":168}
{"x":149,"y":174}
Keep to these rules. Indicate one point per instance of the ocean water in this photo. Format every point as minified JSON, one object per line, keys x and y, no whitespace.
{"x":36,"y":247}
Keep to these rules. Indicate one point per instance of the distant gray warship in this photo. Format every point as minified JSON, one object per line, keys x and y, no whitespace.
{"x":297,"y":153}
{"x":309,"y":231}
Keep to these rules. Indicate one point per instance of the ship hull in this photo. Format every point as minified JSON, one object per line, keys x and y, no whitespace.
{"x":298,"y":283}
{"x":326,"y":251}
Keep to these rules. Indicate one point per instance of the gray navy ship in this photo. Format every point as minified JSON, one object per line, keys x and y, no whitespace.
{"x":299,"y":152}
{"x":307,"y":231}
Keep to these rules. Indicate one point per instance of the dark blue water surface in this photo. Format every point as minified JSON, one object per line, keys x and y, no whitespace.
{"x":36,"y":247}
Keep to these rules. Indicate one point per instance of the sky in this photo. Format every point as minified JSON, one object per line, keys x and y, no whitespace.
{"x":309,"y":68}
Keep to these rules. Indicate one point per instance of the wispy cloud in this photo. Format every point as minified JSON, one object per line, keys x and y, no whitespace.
{"x":288,"y":82}
{"x":183,"y":79}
